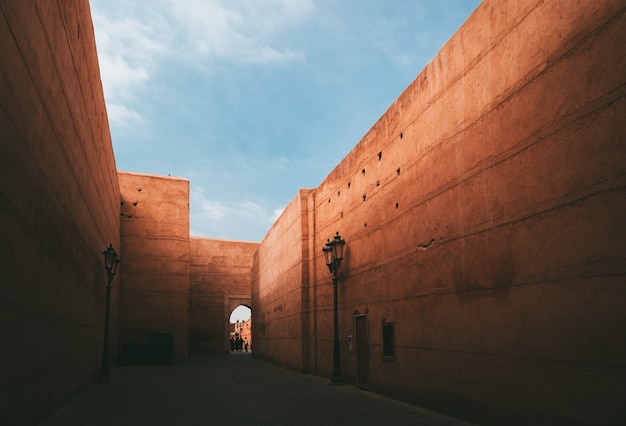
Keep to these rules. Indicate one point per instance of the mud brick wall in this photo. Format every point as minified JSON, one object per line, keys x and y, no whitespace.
{"x":154,"y":285}
{"x":59,"y":207}
{"x":280,"y":285}
{"x":483,"y":219}
{"x":220,"y":276}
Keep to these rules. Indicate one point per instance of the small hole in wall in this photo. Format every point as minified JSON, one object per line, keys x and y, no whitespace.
{"x":364,"y":197}
{"x":349,"y":183}
{"x":363,"y":171}
{"x":380,"y":155}
{"x":329,"y":200}
{"x":139,"y":190}
{"x":397,"y":205}
{"x":121,"y":203}
{"x":338,"y":193}
{"x":365,"y":225}
{"x":342,"y":215}
{"x":377,"y":183}
{"x":401,"y":135}
{"x":135,"y":204}
{"x":398,"y":171}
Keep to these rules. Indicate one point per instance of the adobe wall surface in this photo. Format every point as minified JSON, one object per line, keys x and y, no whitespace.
{"x":280,"y":289}
{"x":154,"y":287}
{"x":220,"y":275}
{"x":483,"y":219}
{"x":59,"y":207}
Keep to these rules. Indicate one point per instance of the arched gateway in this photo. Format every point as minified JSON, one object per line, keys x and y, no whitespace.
{"x":220,"y":280}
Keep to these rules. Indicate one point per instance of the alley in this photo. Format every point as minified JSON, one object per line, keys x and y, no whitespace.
{"x":232,"y":389}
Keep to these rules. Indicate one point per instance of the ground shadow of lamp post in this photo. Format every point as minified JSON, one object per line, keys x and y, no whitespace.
{"x":110,"y":265}
{"x":333,"y":254}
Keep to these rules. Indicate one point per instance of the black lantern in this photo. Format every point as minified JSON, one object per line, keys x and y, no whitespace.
{"x":110,"y":260}
{"x":333,"y":255}
{"x":110,"y":265}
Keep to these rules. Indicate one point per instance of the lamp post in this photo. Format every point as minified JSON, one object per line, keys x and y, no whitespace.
{"x":333,"y":254}
{"x":110,"y":265}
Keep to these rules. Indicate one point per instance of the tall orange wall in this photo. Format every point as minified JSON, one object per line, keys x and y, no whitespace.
{"x":483,"y":218}
{"x":154,"y":281}
{"x":59,"y":207}
{"x":280,"y":283}
{"x":220,"y":275}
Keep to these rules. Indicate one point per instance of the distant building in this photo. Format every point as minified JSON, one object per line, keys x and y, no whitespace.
{"x":243,"y":329}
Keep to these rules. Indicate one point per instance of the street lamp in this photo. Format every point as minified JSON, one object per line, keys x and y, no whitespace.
{"x":110,"y":265}
{"x":333,"y":254}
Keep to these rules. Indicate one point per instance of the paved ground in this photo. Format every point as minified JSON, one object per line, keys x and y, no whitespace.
{"x":232,"y":390}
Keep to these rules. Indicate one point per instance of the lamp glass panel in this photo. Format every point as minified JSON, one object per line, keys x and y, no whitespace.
{"x":328,"y":255}
{"x":109,"y":258}
{"x":338,"y":246}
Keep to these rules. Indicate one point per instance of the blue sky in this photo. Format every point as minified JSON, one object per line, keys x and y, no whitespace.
{"x":252,"y":100}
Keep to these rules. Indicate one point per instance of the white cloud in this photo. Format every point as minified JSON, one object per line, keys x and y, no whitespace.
{"x":122,"y":116}
{"x":119,"y":78}
{"x":245,"y":32}
{"x":276,"y":214}
{"x":206,"y":209}
{"x":128,"y":52}
{"x":136,"y":39}
{"x":217,"y":219}
{"x":251,"y":209}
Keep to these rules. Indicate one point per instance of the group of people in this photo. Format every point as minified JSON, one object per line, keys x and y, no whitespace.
{"x":238,"y":344}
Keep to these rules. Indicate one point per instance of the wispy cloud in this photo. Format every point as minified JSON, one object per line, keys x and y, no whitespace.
{"x":245,"y":32}
{"x":277,"y":214}
{"x":215,"y":218}
{"x":123,"y":116}
{"x":207,"y":209}
{"x":128,"y":51}
{"x":133,"y":48}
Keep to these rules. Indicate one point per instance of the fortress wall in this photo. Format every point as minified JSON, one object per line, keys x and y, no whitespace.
{"x":59,"y":207}
{"x":279,"y":282}
{"x":154,"y":287}
{"x":483,"y":219}
{"x":220,"y":277}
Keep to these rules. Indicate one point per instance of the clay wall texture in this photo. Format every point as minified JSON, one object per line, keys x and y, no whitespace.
{"x":483,"y":217}
{"x":280,"y":289}
{"x":220,"y":275}
{"x":154,"y":284}
{"x":59,"y":207}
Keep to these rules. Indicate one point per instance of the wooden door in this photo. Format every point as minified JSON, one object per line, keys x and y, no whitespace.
{"x":362,"y":351}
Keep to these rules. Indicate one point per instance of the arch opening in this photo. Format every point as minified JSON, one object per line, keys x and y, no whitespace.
{"x":240,"y":336}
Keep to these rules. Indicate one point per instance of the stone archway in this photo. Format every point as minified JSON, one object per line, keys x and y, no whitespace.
{"x":220,"y":280}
